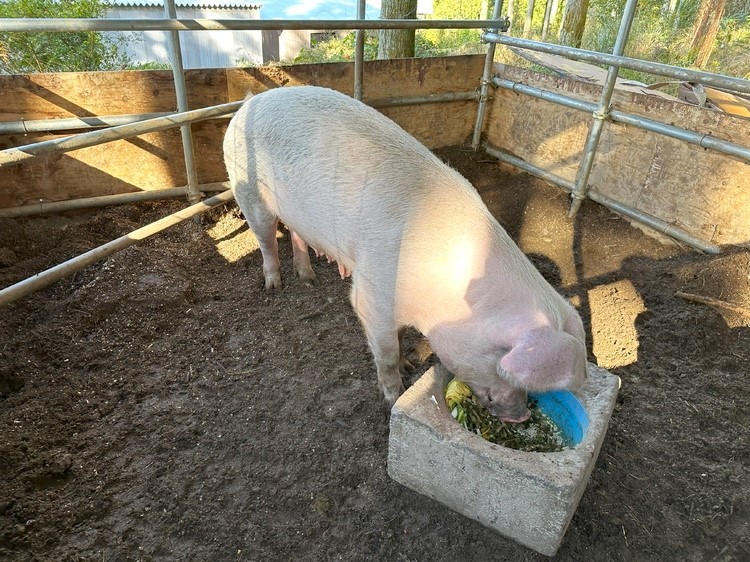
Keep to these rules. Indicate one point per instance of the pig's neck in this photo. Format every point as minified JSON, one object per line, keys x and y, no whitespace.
{"x":505,"y":297}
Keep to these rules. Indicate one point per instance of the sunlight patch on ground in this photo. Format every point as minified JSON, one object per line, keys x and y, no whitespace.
{"x":233,"y":239}
{"x":614,"y":310}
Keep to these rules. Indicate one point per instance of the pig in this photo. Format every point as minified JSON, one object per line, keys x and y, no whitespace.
{"x":421,"y":247}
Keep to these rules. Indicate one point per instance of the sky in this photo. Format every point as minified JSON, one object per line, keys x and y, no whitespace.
{"x":321,"y":9}
{"x":314,"y":9}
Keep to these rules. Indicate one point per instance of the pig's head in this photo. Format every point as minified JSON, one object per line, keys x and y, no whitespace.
{"x":540,"y":359}
{"x":544,"y":358}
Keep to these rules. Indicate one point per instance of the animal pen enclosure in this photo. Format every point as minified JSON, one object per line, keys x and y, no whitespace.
{"x":158,"y":404}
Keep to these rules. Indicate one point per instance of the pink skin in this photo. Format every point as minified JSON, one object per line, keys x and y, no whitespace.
{"x":419,"y":244}
{"x":344,"y":272}
{"x":506,"y":401}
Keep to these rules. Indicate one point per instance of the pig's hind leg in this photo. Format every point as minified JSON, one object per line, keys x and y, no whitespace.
{"x":383,"y":337}
{"x":302,"y":259}
{"x":263,"y":222}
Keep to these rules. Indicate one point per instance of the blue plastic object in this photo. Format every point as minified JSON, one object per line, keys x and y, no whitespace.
{"x":566,"y":411}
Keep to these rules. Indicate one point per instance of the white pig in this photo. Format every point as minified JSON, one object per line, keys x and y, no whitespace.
{"x":422,"y":248}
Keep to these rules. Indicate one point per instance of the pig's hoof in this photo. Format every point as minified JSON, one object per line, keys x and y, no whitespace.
{"x":391,"y":394}
{"x":405,"y":366}
{"x":273,"y":283}
{"x":307,"y":276}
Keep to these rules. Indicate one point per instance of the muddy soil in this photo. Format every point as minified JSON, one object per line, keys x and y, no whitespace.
{"x":159,"y":405}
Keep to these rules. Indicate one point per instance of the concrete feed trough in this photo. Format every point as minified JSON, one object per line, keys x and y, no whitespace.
{"x":528,"y":497}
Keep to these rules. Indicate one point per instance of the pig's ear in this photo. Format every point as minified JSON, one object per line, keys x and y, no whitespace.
{"x":545,"y":359}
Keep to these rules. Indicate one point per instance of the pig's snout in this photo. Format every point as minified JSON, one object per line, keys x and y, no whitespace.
{"x":518,"y":415}
{"x":508,"y":404}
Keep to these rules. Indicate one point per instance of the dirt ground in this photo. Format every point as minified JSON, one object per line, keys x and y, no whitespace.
{"x":160,"y":406}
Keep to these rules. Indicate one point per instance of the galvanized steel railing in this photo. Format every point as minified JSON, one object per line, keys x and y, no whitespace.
{"x":579,"y":189}
{"x":602,"y":111}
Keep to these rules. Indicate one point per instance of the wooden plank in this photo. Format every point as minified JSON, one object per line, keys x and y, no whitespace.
{"x":87,"y":94}
{"x":729,"y":102}
{"x":699,"y":190}
{"x":585,"y":72}
{"x":154,"y":161}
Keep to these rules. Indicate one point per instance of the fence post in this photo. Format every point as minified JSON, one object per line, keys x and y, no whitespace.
{"x":359,"y":53}
{"x":178,"y":72}
{"x":484,"y":87}
{"x":601,"y":113}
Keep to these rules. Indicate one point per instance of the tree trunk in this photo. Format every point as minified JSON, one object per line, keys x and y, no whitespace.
{"x":574,"y":21}
{"x":510,"y":12}
{"x":548,"y":15}
{"x":529,"y":16}
{"x":397,"y":43}
{"x":705,"y":29}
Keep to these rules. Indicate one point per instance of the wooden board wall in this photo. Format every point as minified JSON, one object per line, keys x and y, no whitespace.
{"x":701,"y":191}
{"x":154,"y":161}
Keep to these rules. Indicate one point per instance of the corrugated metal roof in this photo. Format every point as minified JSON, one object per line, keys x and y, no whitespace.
{"x":279,"y":9}
{"x":185,"y":4}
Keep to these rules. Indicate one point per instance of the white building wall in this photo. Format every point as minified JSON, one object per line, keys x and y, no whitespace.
{"x":200,"y":49}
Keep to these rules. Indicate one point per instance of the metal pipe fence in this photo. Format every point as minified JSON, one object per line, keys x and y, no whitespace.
{"x":45,"y":207}
{"x":719,"y":81}
{"x":135,"y":126}
{"x":183,"y":118}
{"x":601,"y":112}
{"x":109,"y":24}
{"x":20,"y":154}
{"x":484,"y":87}
{"x":699,"y":139}
{"x":359,"y":53}
{"x":625,"y":210}
{"x":180,"y":89}
{"x":25,"y":126}
{"x":49,"y":276}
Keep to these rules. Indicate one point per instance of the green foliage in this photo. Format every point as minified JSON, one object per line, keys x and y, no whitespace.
{"x":733,"y":53}
{"x":428,"y":42}
{"x":338,"y":49}
{"x":150,"y":65}
{"x":57,"y":52}
{"x":449,"y":42}
{"x":341,"y":49}
{"x":656,"y":35}
{"x":519,"y":17}
{"x":441,"y":42}
{"x":659,"y":36}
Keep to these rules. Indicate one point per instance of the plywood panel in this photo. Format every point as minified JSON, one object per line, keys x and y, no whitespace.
{"x":154,"y":161}
{"x":699,"y":190}
{"x":435,"y":125}
{"x":83,"y":94}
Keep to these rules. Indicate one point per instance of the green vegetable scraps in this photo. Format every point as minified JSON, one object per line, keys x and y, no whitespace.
{"x":538,"y":434}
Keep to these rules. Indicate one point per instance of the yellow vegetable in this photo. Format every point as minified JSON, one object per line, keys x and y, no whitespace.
{"x":456,"y":392}
{"x":537,"y":434}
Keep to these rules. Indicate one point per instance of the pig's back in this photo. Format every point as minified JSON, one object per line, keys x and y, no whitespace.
{"x":336,"y":171}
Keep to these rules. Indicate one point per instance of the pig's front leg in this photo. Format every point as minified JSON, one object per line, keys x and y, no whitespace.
{"x":383,"y":337}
